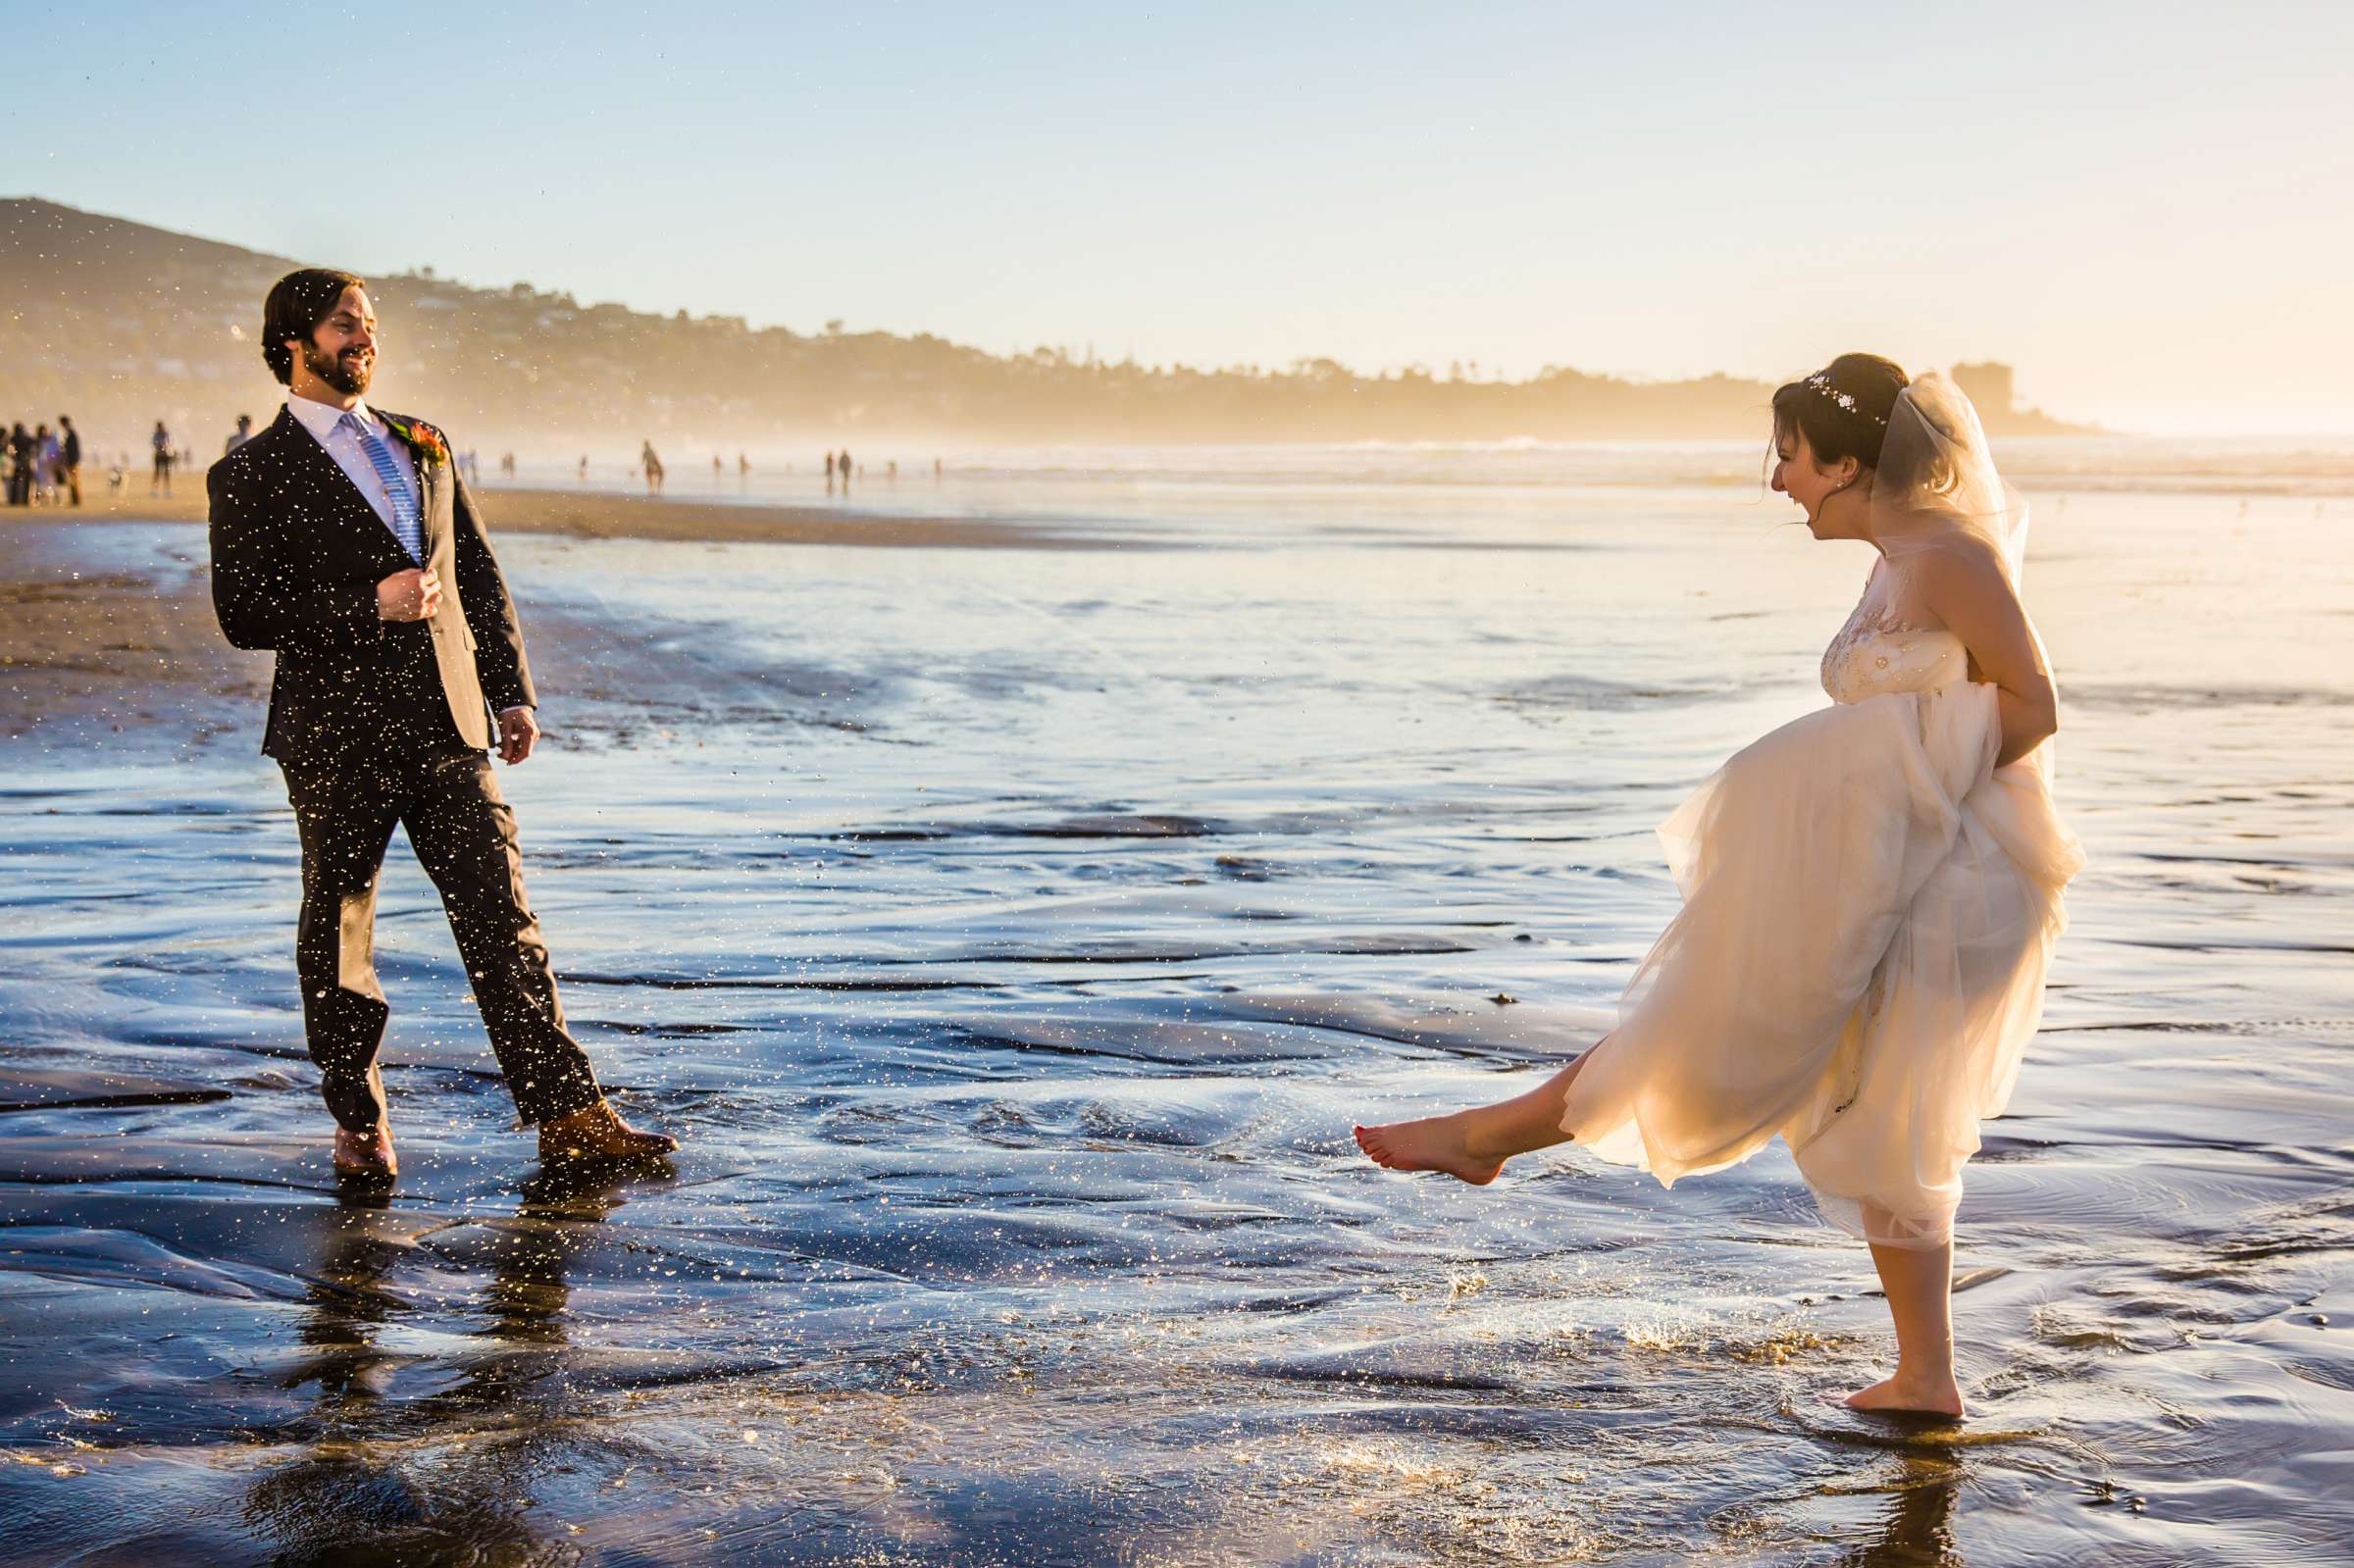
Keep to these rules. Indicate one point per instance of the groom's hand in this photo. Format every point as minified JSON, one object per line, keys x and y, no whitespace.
{"x":411,"y":595}
{"x":518,"y":732}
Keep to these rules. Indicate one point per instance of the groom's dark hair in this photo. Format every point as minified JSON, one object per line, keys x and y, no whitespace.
{"x":298,"y":302}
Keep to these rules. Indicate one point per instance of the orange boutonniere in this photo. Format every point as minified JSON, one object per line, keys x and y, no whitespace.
{"x":422,"y":438}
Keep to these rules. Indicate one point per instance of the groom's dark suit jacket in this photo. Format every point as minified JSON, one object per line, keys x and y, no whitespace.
{"x":297,"y":553}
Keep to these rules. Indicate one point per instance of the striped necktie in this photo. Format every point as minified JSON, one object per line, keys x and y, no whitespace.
{"x":407,"y":526}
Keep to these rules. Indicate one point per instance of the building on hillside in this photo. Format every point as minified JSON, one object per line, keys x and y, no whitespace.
{"x":1989,"y":386}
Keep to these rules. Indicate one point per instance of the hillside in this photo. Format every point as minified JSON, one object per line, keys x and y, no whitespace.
{"x":119,"y":323}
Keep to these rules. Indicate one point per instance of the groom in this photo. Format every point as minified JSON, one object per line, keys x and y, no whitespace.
{"x":343,"y":538}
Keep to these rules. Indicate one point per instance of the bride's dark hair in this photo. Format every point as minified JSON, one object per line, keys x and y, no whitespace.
{"x":1843,"y":408}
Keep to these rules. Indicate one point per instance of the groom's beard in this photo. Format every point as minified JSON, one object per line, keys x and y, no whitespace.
{"x":347,"y":374}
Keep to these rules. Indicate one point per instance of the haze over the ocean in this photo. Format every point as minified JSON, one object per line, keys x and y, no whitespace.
{"x":2146,"y":214}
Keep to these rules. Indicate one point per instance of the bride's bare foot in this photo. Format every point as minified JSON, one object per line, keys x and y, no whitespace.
{"x":1900,"y":1394}
{"x":1433,"y":1143}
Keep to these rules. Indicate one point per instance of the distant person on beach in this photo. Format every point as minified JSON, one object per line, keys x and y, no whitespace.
{"x":583,"y":473}
{"x":240,"y":435}
{"x":653,"y":468}
{"x":844,"y":460}
{"x":159,"y":478}
{"x":1871,"y":893}
{"x":19,"y":465}
{"x":70,"y":459}
{"x":344,"y":538}
{"x":743,"y":468}
{"x":44,"y":465}
{"x":47,"y":457}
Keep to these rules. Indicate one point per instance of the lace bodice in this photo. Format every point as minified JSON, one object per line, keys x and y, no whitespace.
{"x":1876,"y":653}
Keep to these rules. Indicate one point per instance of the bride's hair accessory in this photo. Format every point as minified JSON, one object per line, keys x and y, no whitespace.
{"x":1821,"y":383}
{"x":1842,"y":410}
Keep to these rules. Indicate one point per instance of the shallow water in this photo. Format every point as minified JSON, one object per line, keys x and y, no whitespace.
{"x":1015,"y":936}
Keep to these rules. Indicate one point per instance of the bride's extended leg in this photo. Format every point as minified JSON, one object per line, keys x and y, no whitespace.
{"x":1920,"y":1295}
{"x":1471,"y":1146}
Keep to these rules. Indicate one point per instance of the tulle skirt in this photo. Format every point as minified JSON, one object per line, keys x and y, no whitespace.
{"x":1870,"y":906}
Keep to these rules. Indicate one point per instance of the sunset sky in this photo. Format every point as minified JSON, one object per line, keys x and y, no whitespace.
{"x":2147,"y":209}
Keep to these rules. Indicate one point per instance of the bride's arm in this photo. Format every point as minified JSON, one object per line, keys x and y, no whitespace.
{"x":1966,"y":588}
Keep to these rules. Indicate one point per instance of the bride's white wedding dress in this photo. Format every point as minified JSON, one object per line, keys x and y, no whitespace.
{"x":1870,"y":906}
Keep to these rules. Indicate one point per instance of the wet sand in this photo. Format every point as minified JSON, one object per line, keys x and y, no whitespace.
{"x":604,"y":514}
{"x":1014,"y":933}
{"x":88,"y":657}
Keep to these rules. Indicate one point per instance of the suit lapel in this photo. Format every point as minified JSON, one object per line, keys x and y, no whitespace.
{"x":429,"y":481}
{"x":338,"y":497}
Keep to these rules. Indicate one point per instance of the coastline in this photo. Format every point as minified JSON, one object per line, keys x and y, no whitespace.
{"x":89,"y":651}
{"x":85,"y":653}
{"x":607,"y":514}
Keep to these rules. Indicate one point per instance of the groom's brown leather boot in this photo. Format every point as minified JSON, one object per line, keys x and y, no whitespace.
{"x":597,"y":1130}
{"x":366,"y":1153}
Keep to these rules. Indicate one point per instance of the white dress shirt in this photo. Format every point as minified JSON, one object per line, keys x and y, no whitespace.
{"x":326,"y":421}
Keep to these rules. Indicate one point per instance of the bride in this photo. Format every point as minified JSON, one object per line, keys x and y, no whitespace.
{"x":1871,"y":892}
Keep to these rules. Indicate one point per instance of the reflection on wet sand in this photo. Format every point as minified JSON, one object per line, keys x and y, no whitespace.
{"x":347,"y":1307}
{"x":358,"y":1490}
{"x":1918,"y":1529}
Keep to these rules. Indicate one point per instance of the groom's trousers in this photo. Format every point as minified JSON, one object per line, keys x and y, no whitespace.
{"x":464,"y":835}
